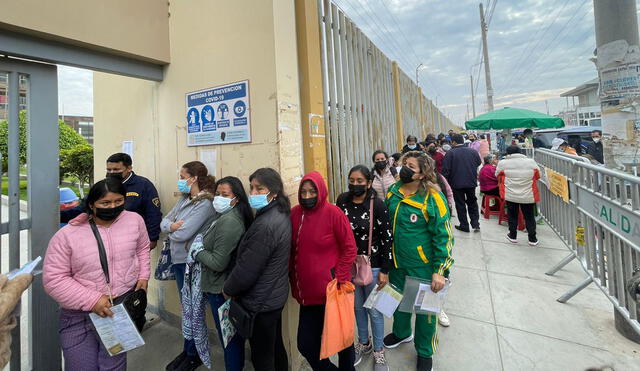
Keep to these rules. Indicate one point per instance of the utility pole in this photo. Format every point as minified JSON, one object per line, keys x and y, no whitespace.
{"x":616,"y":36}
{"x":546,"y":103}
{"x":617,"y":39}
{"x":487,"y":70}
{"x":473,"y":97}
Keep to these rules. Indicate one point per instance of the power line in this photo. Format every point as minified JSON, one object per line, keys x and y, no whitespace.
{"x":418,"y":59}
{"x":493,"y":8}
{"x":530,"y":71}
{"x":377,"y":28}
{"x":518,"y":67}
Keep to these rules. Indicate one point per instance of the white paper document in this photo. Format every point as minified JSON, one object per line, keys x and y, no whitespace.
{"x":118,"y":333}
{"x":228,"y":330}
{"x":422,"y":291}
{"x":27,"y":268}
{"x":385,"y":300}
{"x":434,"y":301}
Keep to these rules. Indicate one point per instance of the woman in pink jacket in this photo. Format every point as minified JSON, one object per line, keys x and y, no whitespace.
{"x":74,"y":277}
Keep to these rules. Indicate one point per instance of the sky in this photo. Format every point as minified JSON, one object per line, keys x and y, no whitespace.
{"x":537,"y":50}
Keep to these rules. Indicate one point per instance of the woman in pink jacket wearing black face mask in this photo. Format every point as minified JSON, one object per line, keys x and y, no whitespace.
{"x":73,"y":275}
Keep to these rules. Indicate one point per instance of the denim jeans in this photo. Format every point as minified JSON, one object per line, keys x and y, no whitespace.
{"x":178,"y":270}
{"x":363,"y":315}
{"x":234,"y":352}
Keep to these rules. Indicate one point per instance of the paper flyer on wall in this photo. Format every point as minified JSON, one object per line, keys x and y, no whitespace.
{"x":118,"y":333}
{"x":385,"y":300}
{"x":226,"y":326}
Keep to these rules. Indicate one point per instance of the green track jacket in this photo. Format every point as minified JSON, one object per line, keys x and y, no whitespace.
{"x":422,"y":232}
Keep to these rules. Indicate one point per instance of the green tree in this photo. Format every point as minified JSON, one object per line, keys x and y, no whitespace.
{"x":68,"y":139}
{"x":78,"y":162}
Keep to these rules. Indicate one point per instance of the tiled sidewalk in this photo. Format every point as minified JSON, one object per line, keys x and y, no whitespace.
{"x":503,"y":310}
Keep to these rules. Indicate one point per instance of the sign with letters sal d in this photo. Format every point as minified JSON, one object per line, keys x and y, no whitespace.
{"x":219,"y":115}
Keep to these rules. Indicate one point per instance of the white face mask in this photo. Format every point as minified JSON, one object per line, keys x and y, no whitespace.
{"x":222,"y":204}
{"x":446,"y":147}
{"x":411,"y":146}
{"x":596,"y":140}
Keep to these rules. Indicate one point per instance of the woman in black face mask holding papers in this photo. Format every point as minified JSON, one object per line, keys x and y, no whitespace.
{"x":369,"y":219}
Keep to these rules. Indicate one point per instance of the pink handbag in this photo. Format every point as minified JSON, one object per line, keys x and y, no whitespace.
{"x":361,"y":271}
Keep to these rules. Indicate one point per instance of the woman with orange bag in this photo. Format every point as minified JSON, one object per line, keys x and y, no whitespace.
{"x":323,"y":248}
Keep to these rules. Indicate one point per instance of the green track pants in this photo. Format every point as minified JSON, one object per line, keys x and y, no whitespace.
{"x":426,"y":336}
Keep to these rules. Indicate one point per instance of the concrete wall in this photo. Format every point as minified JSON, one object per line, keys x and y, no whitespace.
{"x":134,"y":28}
{"x":212,"y":43}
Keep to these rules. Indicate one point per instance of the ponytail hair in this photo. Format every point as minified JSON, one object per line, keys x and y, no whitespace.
{"x":427,"y":169}
{"x":205,"y":181}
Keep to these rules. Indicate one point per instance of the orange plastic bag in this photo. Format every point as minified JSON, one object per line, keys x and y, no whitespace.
{"x":339,"y":319}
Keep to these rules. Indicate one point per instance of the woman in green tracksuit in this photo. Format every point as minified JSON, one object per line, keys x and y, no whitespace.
{"x":422,"y":244}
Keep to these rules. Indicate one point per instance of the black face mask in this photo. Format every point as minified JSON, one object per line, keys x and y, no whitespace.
{"x":406,"y":175}
{"x":432,"y":150}
{"x":357,"y":189}
{"x":308,"y":203}
{"x":108,"y":213}
{"x":117,"y":176}
{"x":380,"y":165}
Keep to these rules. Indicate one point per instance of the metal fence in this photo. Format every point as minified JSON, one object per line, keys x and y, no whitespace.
{"x":600,"y":224}
{"x":360,"y":99}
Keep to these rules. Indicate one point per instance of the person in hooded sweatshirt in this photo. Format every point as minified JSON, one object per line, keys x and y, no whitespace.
{"x":323,"y":248}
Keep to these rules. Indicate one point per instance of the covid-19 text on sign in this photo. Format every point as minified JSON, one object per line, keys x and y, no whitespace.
{"x":219,"y":115}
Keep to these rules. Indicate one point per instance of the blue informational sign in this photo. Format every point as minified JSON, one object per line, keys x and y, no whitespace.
{"x":193,"y":121}
{"x":210,"y":119}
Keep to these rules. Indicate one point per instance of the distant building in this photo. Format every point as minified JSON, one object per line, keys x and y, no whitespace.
{"x":83,"y":125}
{"x":587,"y":111}
{"x":22,"y":97}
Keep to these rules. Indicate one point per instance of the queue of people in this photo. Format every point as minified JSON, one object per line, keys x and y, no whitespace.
{"x":252,"y":249}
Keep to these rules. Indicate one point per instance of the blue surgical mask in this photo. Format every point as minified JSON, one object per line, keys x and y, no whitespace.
{"x":412,"y":146}
{"x":183,"y":186}
{"x":258,"y":201}
{"x":222,"y":204}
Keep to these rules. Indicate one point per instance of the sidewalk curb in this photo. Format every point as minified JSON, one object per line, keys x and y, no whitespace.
{"x":24,"y":205}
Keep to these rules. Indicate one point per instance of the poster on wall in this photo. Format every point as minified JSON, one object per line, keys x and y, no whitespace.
{"x":219,"y":115}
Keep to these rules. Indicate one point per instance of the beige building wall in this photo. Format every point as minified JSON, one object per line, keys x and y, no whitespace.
{"x":212,"y":43}
{"x":137,"y":28}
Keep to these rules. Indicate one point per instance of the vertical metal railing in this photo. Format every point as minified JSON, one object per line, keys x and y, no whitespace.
{"x":360,"y":110}
{"x":604,"y":205}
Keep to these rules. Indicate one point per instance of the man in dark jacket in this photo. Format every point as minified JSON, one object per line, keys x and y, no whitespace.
{"x":595,"y":148}
{"x":460,"y":167}
{"x":142,"y":196}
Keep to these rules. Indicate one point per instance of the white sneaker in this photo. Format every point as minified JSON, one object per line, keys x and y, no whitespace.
{"x":443,"y":319}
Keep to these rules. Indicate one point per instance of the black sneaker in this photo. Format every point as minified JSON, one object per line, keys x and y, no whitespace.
{"x":425,"y":364}
{"x":460,"y":228}
{"x":190,"y":363}
{"x":391,"y":341}
{"x":476,"y":228}
{"x":175,"y":364}
{"x":511,"y":238}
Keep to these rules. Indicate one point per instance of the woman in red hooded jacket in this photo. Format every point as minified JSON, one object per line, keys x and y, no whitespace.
{"x":323,"y":248}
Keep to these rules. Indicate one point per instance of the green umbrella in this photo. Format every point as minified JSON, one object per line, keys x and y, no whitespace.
{"x":513,"y":118}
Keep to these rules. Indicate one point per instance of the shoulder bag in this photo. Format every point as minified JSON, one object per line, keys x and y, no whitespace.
{"x":361,"y":271}
{"x":134,"y":301}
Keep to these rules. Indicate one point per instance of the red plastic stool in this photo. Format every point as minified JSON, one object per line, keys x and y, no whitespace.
{"x":504,"y":218}
{"x":486,"y":209}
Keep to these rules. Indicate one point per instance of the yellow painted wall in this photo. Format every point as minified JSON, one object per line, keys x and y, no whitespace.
{"x":262,"y":49}
{"x":135,"y":28}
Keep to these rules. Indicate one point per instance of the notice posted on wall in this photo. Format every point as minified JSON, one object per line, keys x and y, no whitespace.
{"x":219,"y":115}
